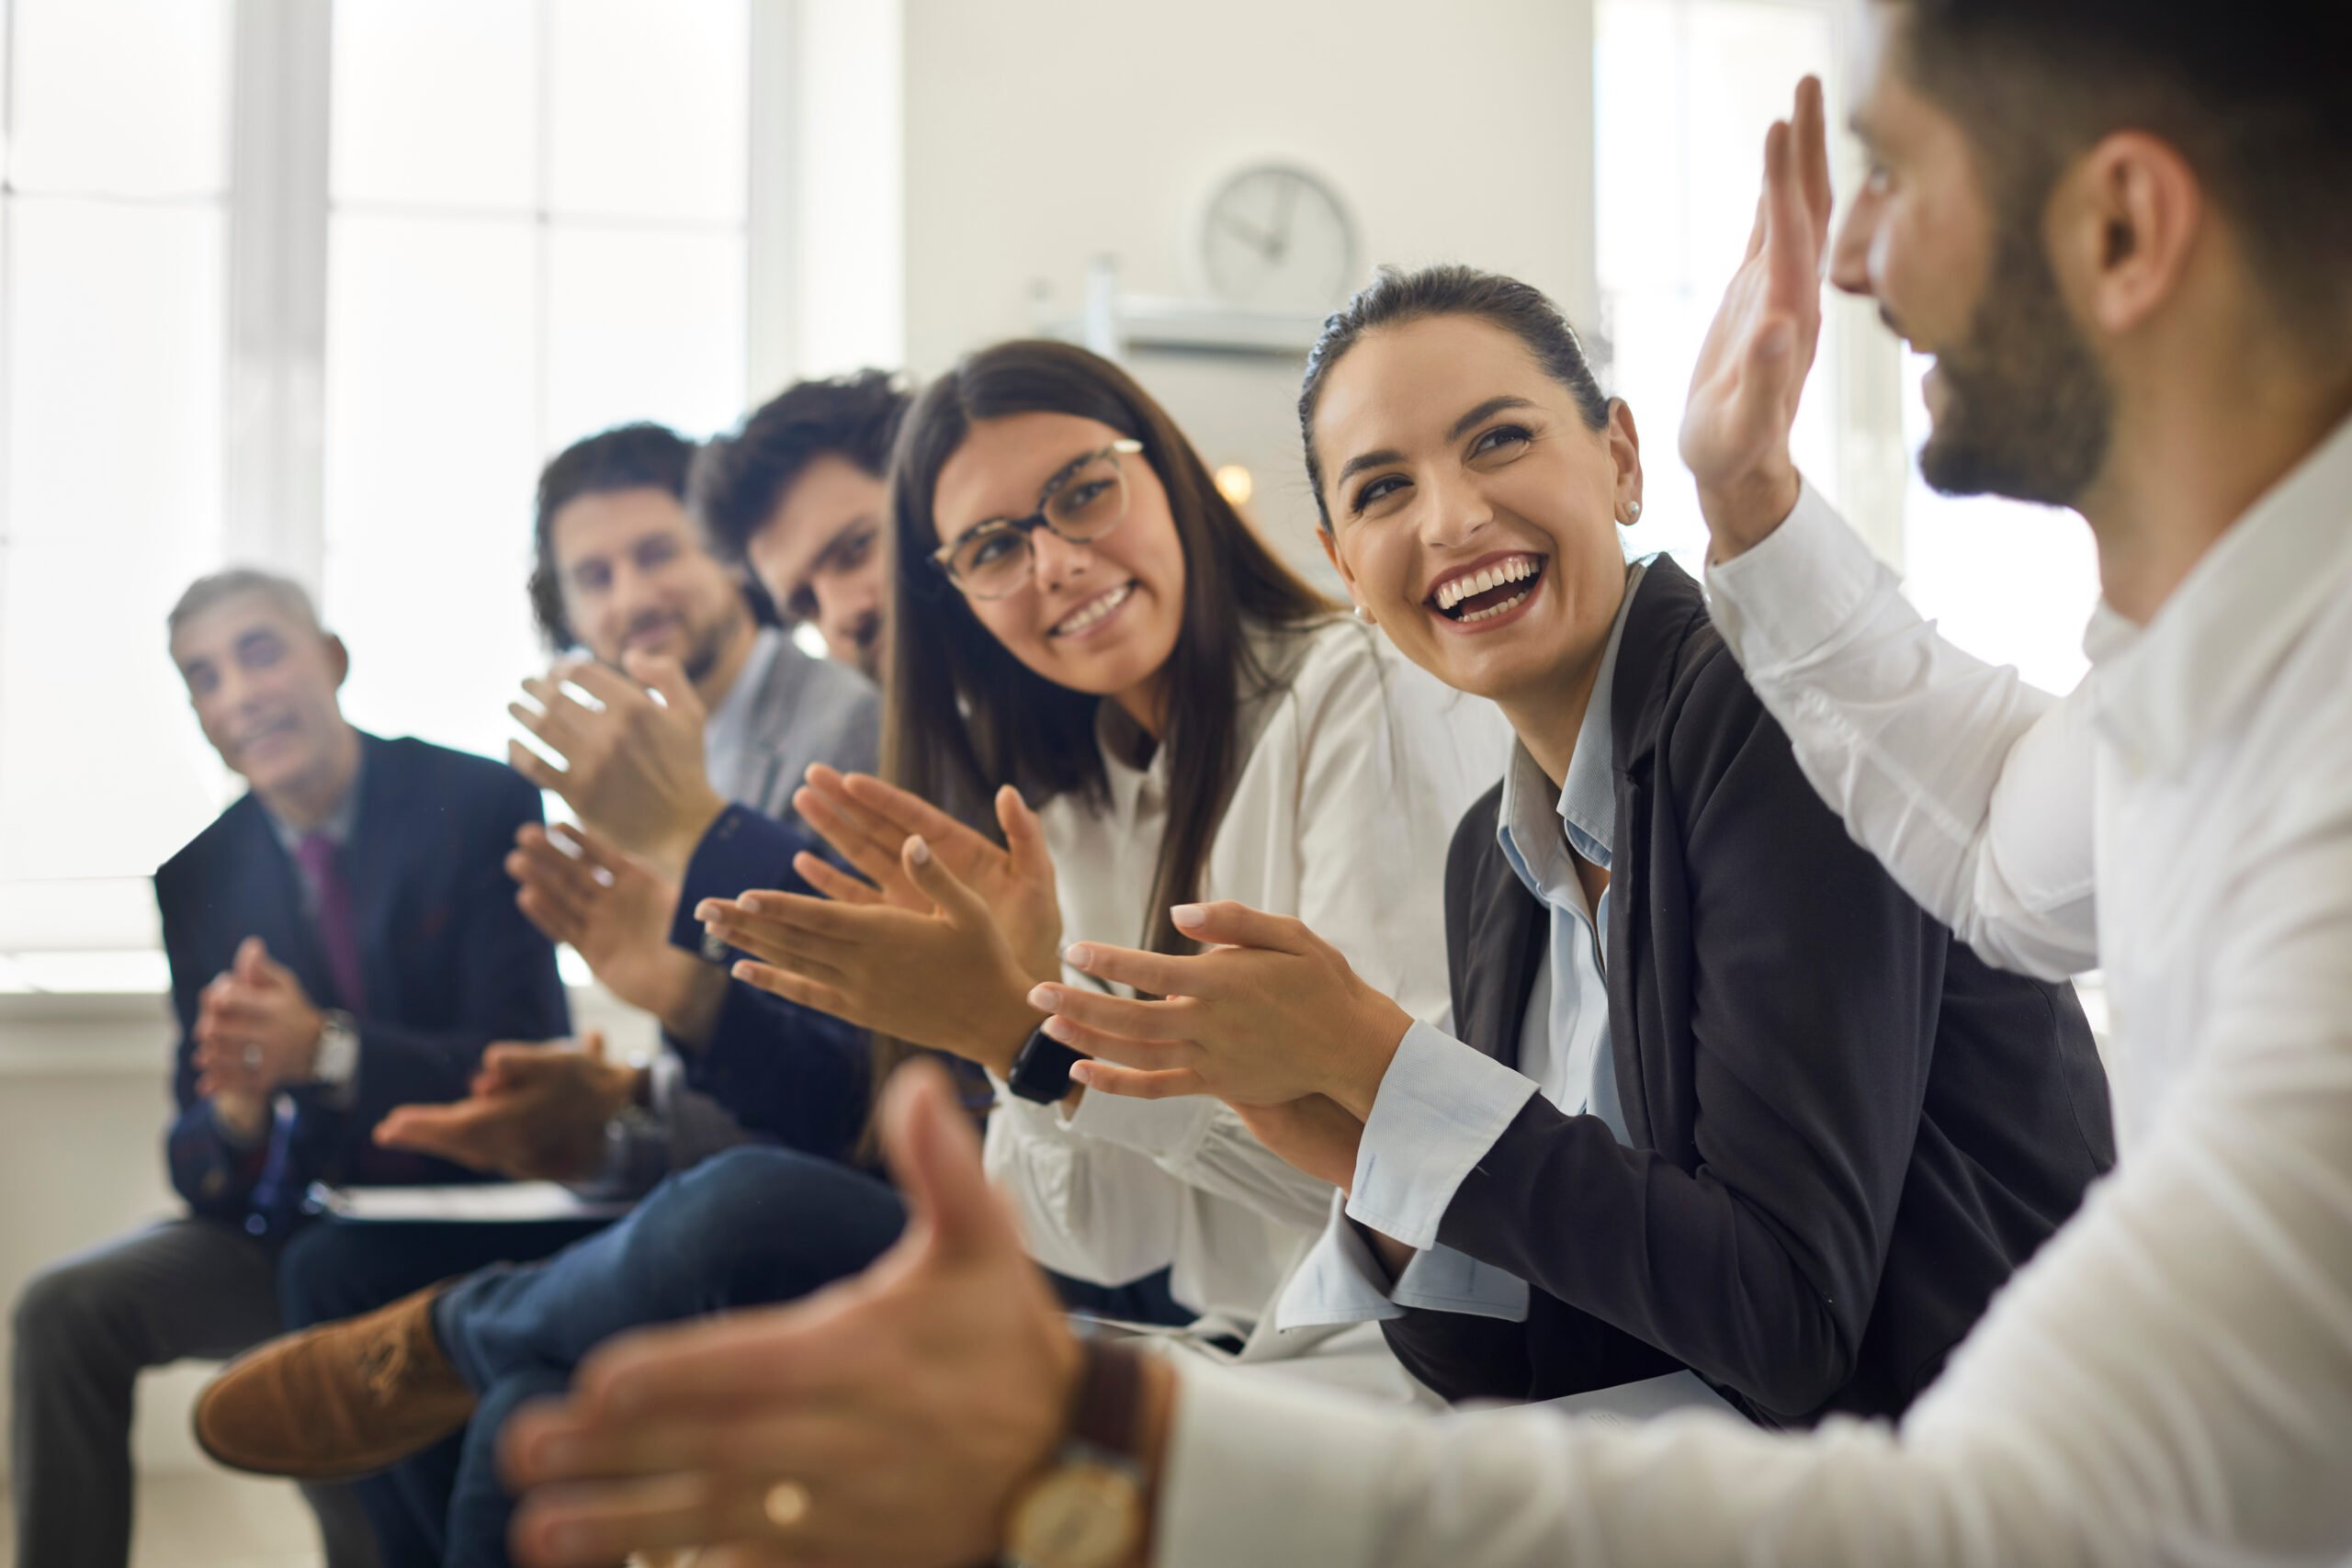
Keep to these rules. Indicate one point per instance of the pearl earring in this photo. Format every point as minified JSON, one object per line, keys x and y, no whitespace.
{"x":1632,"y":511}
{"x":1363,"y":614}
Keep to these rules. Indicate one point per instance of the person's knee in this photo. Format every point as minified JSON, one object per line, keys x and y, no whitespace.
{"x":749,"y":1210}
{"x":61,"y":1308}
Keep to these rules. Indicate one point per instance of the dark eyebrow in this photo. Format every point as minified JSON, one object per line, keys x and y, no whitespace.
{"x":1045,"y":493}
{"x":1363,"y":460}
{"x":1490,"y":406}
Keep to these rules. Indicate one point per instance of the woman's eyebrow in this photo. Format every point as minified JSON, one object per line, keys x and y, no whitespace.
{"x":1045,"y":491}
{"x":1490,"y":406}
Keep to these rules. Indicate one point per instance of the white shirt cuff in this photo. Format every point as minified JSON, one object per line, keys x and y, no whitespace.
{"x":1791,"y":597}
{"x":1168,"y":1131}
{"x":1340,"y":1281}
{"x":1440,"y":1109}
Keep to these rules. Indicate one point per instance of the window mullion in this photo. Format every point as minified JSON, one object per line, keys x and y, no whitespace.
{"x":274,"y":471}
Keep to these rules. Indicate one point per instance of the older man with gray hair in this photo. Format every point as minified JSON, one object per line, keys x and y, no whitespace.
{"x":342,"y":940}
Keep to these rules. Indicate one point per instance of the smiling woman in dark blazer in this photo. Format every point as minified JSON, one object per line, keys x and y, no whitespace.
{"x":1718,"y":1094}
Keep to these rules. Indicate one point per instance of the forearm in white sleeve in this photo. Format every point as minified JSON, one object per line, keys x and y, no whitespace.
{"x":1089,"y":1209}
{"x":1973,"y":788}
{"x":2168,"y":1381}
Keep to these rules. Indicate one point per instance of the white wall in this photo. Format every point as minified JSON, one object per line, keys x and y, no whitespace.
{"x":1041,"y":133}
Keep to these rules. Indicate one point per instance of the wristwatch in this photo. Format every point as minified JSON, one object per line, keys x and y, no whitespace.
{"x":336,"y":1062}
{"x":1040,"y":1069}
{"x":1087,"y":1509}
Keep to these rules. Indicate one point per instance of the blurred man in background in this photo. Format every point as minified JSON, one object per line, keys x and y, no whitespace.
{"x":341,"y":941}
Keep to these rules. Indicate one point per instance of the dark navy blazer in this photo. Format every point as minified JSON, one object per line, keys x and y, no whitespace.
{"x":449,"y":965}
{"x":1847,"y":1130}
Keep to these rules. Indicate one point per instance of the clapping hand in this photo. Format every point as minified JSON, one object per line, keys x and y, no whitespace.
{"x":633,"y":767}
{"x":537,"y":1112}
{"x":869,"y":822}
{"x":1270,"y":1014}
{"x":256,"y":1031}
{"x":1752,"y":367}
{"x":615,"y":911}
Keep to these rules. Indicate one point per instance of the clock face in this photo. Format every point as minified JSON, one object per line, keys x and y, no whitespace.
{"x":1277,"y":238}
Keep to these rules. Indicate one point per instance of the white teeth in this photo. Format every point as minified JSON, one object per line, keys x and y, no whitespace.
{"x":1087,"y":615}
{"x":1513,"y":603}
{"x":1517,"y":569}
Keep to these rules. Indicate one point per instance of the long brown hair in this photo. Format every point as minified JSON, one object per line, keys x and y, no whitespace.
{"x":963,"y":716}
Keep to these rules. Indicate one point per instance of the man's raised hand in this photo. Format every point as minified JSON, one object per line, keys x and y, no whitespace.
{"x":1752,"y":367}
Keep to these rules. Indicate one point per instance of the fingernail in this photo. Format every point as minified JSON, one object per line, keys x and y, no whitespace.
{"x":1045,"y":998}
{"x":707,"y":911}
{"x":1082,"y":1073}
{"x":1188,"y":914}
{"x":921,"y":854}
{"x":1056,"y":1029}
{"x":1079,"y":956}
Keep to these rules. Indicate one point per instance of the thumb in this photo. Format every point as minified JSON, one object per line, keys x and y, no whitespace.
{"x":251,"y":966}
{"x":962,"y":907}
{"x":668,"y":677}
{"x":592,"y":1044}
{"x":1228,"y":924}
{"x":1025,"y":837}
{"x":934,"y":1157}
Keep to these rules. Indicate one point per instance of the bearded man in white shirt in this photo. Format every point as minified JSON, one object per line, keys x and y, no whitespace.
{"x":2122,"y":227}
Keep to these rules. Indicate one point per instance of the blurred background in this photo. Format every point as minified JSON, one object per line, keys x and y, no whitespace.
{"x":319,"y":286}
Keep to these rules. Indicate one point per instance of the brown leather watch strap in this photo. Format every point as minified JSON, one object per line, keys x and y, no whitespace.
{"x":1110,"y":1398}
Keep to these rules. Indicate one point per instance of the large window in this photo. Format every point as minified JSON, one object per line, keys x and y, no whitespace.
{"x":320,"y":289}
{"x":1684,"y":89}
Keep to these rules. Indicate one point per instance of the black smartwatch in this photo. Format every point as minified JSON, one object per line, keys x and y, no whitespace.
{"x":1041,"y":1068}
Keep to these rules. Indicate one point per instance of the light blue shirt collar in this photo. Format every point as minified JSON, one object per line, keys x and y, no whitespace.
{"x":1585,"y":806}
{"x":339,"y":822}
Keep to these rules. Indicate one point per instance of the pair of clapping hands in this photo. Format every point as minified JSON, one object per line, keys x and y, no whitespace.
{"x":950,"y":942}
{"x":631,"y":746}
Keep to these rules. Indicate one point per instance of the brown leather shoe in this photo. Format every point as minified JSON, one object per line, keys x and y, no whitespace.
{"x":338,"y":1401}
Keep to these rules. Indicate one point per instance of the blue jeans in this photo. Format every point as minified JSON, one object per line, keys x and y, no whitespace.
{"x":749,"y":1227}
{"x":334,"y":1269}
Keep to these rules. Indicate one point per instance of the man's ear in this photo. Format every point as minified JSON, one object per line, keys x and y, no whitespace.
{"x":338,"y":659}
{"x":2123,"y":227}
{"x":1625,"y":451}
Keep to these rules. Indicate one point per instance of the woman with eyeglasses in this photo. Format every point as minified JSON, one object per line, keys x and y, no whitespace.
{"x":1080,"y":620}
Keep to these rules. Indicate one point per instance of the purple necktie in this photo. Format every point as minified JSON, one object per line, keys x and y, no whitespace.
{"x":323,"y":866}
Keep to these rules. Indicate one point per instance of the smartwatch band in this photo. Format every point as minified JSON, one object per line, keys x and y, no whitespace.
{"x":1041,"y":1068}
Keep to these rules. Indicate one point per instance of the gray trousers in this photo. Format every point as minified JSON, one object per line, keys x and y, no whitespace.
{"x":85,"y":1330}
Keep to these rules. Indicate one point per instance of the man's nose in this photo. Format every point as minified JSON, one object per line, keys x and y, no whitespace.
{"x":1849,"y":248}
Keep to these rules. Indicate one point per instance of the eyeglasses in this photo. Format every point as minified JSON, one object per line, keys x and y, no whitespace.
{"x":1081,"y":503}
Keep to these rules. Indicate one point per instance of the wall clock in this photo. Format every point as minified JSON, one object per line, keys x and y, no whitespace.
{"x":1276,"y":237}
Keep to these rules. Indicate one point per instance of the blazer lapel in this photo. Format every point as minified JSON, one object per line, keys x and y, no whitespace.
{"x":370,"y":862}
{"x":267,"y":902}
{"x":1667,"y":606}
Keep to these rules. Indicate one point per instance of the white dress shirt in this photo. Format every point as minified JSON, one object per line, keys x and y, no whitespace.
{"x":1444,"y":1103}
{"x":2170,"y":1379}
{"x":1355,"y":768}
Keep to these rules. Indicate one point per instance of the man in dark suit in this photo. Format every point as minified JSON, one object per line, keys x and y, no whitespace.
{"x":342,"y":940}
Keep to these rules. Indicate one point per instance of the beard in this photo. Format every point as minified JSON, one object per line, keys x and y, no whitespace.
{"x":2027,"y":411}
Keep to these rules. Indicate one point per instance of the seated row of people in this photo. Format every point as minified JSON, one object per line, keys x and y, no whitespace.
{"x":1155,"y":858}
{"x":1792,"y":1137}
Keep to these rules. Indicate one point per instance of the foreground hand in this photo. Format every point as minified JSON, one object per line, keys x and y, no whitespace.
{"x":616,"y":913}
{"x":1752,"y":367}
{"x":906,"y":1405}
{"x":945,"y":976}
{"x":869,"y":822}
{"x":537,"y":1114}
{"x":256,"y":1030}
{"x":633,"y":767}
{"x":1272,"y":1013}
